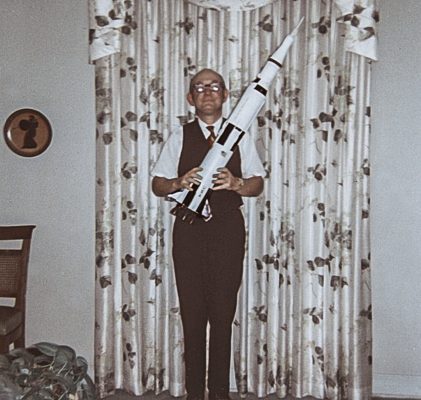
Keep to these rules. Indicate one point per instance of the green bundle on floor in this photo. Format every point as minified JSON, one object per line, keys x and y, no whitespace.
{"x":45,"y":371}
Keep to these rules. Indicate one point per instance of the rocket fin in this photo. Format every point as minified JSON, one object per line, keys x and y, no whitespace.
{"x":177,"y":196}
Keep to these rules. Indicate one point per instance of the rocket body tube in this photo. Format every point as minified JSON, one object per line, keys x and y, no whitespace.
{"x":231,"y":132}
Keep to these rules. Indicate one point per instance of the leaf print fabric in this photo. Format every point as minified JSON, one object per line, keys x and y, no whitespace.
{"x":303,"y":322}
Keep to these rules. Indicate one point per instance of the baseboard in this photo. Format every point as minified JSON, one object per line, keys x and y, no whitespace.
{"x":397,"y":386}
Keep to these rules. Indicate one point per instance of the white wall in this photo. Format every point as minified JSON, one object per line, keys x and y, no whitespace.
{"x":396,"y":200}
{"x":44,"y":65}
{"x":43,"y":53}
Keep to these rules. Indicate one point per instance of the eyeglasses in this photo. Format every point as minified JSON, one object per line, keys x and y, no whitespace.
{"x":213,"y":87}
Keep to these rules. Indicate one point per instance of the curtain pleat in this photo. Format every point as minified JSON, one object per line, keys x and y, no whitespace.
{"x":303,"y":321}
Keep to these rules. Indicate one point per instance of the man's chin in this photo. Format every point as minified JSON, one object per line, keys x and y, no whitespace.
{"x":209,"y":109}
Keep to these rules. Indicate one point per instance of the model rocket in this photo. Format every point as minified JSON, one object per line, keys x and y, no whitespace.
{"x":193,"y":202}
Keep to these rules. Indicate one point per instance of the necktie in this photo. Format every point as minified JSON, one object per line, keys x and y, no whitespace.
{"x":212,"y":136}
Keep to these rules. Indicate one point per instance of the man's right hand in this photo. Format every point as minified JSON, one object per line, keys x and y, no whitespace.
{"x":162,"y":186}
{"x":189,"y":179}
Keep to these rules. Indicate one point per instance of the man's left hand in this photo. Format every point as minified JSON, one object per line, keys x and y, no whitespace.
{"x":226,"y":180}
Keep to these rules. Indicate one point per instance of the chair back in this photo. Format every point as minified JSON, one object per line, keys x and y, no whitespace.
{"x":13,"y":277}
{"x":14,"y":263}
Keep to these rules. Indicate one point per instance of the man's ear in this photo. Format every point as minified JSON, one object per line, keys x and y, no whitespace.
{"x":190,"y":99}
{"x":225,"y":95}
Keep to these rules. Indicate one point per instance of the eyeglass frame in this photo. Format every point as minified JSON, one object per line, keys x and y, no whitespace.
{"x":214,"y":87}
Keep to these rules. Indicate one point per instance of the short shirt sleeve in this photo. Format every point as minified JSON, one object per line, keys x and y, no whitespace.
{"x":167,"y":164}
{"x":250,"y":160}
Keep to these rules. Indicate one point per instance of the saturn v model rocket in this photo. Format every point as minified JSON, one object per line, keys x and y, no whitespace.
{"x":192,"y":202}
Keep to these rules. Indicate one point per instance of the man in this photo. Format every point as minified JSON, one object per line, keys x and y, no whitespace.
{"x":208,"y":255}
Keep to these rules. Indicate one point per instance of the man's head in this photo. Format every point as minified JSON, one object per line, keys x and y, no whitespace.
{"x":207,"y":94}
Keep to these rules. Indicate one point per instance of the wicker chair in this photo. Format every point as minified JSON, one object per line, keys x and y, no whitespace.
{"x":13,"y":275}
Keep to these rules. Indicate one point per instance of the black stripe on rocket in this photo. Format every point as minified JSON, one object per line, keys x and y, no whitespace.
{"x":189,"y":197}
{"x":229,"y":128}
{"x":203,"y":202}
{"x":239,"y":138}
{"x":275,"y":62}
{"x":223,"y":138}
{"x":260,"y":89}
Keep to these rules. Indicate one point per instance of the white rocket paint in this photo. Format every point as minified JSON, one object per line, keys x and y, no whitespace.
{"x":233,"y":130}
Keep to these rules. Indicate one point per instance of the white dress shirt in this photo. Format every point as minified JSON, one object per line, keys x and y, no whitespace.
{"x":167,"y":164}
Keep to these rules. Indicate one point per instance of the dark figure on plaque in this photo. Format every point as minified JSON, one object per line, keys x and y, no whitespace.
{"x":30,"y":127}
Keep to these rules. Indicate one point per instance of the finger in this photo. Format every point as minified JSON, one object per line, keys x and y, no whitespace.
{"x":218,"y":181}
{"x":221,"y":181}
{"x":188,"y":183}
{"x":226,"y":173}
{"x":221,"y":187}
{"x":187,"y":186}
{"x":190,"y":177}
{"x":194,"y":181}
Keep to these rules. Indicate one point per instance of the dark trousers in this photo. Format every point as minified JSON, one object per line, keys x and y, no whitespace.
{"x":208,"y":261}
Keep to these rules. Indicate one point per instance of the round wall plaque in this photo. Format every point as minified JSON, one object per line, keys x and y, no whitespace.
{"x":27,"y":132}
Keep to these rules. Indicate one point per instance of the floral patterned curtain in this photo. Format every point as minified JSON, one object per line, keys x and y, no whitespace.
{"x":303,"y":323}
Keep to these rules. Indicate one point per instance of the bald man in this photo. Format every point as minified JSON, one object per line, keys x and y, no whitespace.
{"x":208,"y":255}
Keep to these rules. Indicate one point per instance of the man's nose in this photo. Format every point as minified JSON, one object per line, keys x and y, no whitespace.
{"x":207,"y":90}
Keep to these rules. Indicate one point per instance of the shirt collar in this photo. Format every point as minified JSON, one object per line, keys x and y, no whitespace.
{"x":217,"y":124}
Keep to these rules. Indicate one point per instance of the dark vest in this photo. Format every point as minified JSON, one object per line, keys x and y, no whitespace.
{"x":193,"y":152}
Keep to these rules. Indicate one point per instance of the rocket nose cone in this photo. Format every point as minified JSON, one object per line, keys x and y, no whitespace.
{"x":295,"y":30}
